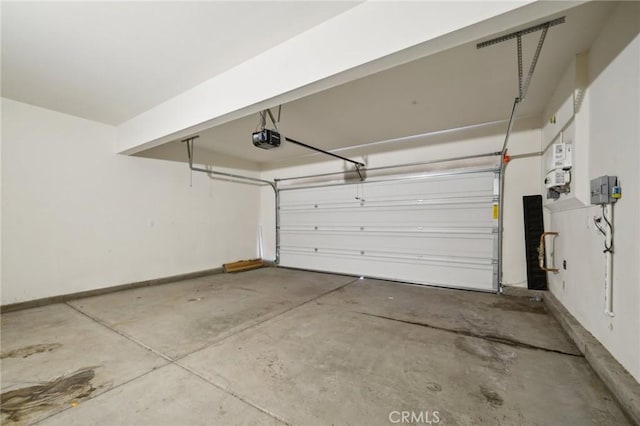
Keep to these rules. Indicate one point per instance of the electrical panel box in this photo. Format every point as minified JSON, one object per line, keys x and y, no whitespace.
{"x":604,"y":190}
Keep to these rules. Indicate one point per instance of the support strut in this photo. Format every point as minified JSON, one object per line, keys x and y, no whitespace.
{"x":523,"y":86}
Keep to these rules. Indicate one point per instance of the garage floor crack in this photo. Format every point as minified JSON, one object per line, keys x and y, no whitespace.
{"x":485,"y":336}
{"x":267,"y":318}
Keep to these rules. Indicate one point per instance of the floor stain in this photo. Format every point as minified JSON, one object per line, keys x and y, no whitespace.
{"x":492,"y":397}
{"x":498,"y":358}
{"x":27,"y":351}
{"x":66,"y":389}
{"x":247,"y":289}
{"x":518,"y":305}
{"x":434,"y":387}
{"x":483,"y":349}
{"x":273,"y":366}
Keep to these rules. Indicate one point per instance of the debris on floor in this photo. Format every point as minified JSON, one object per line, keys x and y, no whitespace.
{"x":66,"y":389}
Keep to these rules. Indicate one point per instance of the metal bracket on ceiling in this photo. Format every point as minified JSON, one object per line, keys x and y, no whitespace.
{"x":267,"y":112}
{"x":544,"y":27}
{"x":189,"y":142}
{"x":520,"y":33}
{"x":523,"y":86}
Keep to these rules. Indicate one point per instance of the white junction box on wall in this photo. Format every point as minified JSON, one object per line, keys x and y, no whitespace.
{"x":562,"y":155}
{"x":565,"y":142}
{"x":558,"y":175}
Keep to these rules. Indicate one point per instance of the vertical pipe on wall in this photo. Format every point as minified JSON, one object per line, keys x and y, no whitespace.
{"x":608,"y":255}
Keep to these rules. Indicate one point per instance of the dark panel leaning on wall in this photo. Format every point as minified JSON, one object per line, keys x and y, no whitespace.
{"x":533,"y":228}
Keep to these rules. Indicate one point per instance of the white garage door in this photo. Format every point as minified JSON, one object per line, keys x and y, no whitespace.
{"x":437,"y":229}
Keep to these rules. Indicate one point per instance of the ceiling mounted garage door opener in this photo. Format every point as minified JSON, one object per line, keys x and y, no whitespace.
{"x":266,"y":138}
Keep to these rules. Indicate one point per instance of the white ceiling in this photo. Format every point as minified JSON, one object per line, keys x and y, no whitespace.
{"x":110,"y":61}
{"x":459,"y":87}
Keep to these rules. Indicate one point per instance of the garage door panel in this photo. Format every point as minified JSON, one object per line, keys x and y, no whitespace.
{"x":433,"y":230}
{"x":455,"y":186}
{"x":392,"y":202}
{"x":455,"y":275}
{"x":468,"y":215}
{"x":471,"y":245}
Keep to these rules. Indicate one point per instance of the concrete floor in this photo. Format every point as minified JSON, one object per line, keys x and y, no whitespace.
{"x":276,"y":346}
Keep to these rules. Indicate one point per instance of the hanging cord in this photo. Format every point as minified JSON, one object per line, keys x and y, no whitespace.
{"x":608,"y":248}
{"x":360,"y":192}
{"x":193,"y":154}
{"x":190,"y":154}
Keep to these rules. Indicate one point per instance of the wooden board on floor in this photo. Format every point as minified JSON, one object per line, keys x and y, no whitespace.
{"x":243,"y":265}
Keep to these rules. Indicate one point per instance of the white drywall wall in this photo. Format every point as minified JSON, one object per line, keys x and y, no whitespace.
{"x":610,"y":113}
{"x":522,"y":178}
{"x":76,"y":216}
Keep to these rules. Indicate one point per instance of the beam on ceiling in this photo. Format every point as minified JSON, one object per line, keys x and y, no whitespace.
{"x":364,"y":40}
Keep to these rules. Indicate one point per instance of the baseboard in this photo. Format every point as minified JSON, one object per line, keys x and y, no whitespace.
{"x":621,"y":383}
{"x":106,"y":290}
{"x":509,"y":290}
